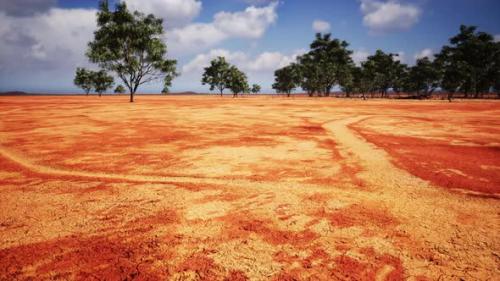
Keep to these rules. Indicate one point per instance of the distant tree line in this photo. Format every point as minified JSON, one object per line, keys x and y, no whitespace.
{"x":130,"y":46}
{"x":469,"y":65}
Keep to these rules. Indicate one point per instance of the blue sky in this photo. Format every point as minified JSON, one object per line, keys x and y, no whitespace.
{"x":44,"y":40}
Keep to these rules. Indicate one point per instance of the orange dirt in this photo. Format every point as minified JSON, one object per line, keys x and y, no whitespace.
{"x":261,"y":188}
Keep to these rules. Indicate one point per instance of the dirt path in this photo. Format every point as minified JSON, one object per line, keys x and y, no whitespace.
{"x":471,"y":249}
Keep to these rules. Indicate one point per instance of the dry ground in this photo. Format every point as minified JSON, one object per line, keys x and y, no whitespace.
{"x":204,"y":188}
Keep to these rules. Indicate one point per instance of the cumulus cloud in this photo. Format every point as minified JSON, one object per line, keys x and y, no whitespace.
{"x":53,"y":39}
{"x":321,"y":26}
{"x":359,"y":56}
{"x":425,"y":53}
{"x":401,"y":57}
{"x":266,"y":61}
{"x":251,"y":23}
{"x":24,"y":8}
{"x":389,"y":16}
{"x":175,"y":13}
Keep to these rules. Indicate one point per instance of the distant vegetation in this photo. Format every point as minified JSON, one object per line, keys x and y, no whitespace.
{"x":469,"y":65}
{"x":129,"y":45}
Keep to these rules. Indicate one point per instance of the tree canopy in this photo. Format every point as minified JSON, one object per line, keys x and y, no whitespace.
{"x":287,"y":79}
{"x":217,"y":75}
{"x":83,"y":79}
{"x":119,"y":89}
{"x":237,"y":81}
{"x":471,"y":63}
{"x":130,"y":45}
{"x":101,"y":81}
{"x":255,"y":89}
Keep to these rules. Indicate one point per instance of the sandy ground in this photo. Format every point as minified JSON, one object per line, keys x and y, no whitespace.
{"x":204,"y":188}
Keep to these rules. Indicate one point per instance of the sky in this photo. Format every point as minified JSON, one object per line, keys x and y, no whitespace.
{"x":42,"y":42}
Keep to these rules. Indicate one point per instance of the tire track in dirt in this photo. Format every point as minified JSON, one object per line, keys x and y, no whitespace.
{"x":50,"y":171}
{"x":428,"y":214}
{"x":378,"y":170}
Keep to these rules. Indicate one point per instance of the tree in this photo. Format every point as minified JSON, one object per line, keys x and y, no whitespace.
{"x":119,"y":89}
{"x":217,"y":75}
{"x":170,"y":75}
{"x":387,"y":72}
{"x":101,"y":81}
{"x":423,"y":78}
{"x":255,"y":89}
{"x":471,"y":64}
{"x":287,"y":79}
{"x":130,"y":45}
{"x":237,"y":81}
{"x":309,"y":73}
{"x":83,"y":79}
{"x":451,"y":72}
{"x":332,"y":62}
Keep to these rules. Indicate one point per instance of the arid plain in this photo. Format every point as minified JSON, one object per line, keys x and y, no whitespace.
{"x":253,"y":188}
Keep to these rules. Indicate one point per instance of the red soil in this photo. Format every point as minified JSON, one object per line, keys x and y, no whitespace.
{"x":429,"y":159}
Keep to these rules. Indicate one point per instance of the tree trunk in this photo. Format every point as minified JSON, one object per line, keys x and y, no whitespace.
{"x":132,"y":96}
{"x":100,"y":94}
{"x":221,"y":92}
{"x":450,"y":96}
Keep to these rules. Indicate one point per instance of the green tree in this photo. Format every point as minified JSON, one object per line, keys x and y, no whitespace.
{"x":83,"y":79}
{"x":327,"y":64}
{"x":170,"y":75}
{"x":423,"y":78}
{"x":287,"y":79}
{"x":101,"y":81}
{"x":471,"y":63}
{"x":237,"y":81}
{"x":130,"y":45}
{"x":119,"y":89}
{"x":386,"y":71}
{"x":452,"y":72}
{"x":310,"y":74}
{"x":255,"y":89}
{"x":217,"y":75}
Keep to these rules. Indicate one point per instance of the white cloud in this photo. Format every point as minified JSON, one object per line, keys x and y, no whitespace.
{"x":359,"y":56}
{"x":57,"y":38}
{"x":497,"y":38}
{"x":194,"y":37}
{"x":388,"y":16}
{"x":251,"y":23}
{"x":425,"y":53}
{"x":175,"y":13}
{"x":201,"y":61}
{"x":42,"y":51}
{"x":266,"y":61}
{"x":321,"y":26}
{"x":401,"y":57}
